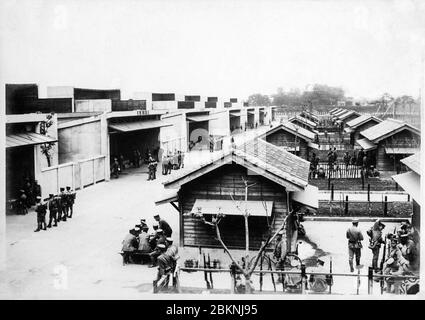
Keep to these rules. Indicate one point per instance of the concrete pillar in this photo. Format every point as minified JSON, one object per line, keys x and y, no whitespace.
{"x":104,"y":144}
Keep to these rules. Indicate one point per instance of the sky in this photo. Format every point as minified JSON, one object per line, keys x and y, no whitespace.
{"x":215,"y":48}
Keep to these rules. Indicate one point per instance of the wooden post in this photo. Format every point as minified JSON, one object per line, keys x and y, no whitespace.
{"x":370,"y":281}
{"x":385,"y":206}
{"x":358,"y":281}
{"x":368,"y":192}
{"x":332,"y":192}
{"x":362,"y":176}
{"x":346,"y":206}
{"x":303,"y":279}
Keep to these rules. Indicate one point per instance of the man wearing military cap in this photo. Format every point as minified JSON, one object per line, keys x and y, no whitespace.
{"x":41,"y":209}
{"x":165,"y":261}
{"x":163,"y":225}
{"x":129,"y":244}
{"x":62,"y":210}
{"x":53,"y":209}
{"x":70,"y":201}
{"x":355,"y":238}
{"x":159,"y":239}
{"x":375,"y":241}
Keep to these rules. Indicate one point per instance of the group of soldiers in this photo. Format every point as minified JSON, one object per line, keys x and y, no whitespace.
{"x":27,"y":196}
{"x":60,"y":208}
{"x":172,"y":162}
{"x":402,"y":256}
{"x":158,"y":245}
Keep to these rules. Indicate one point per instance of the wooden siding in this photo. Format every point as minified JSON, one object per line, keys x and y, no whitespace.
{"x":283,"y":138}
{"x":218,"y":184}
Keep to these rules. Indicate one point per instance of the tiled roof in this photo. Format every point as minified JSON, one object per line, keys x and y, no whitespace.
{"x":272,"y":158}
{"x":303,"y":120}
{"x":292,"y":128}
{"x":413,"y":162}
{"x":361,"y":120}
{"x":282,"y":165}
{"x":348,"y":114}
{"x":385,"y":128}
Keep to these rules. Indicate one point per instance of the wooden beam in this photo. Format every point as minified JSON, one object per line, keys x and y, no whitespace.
{"x":175,"y":206}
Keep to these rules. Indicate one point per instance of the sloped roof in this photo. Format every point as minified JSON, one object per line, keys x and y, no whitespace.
{"x":340,"y":112}
{"x":309,"y":114}
{"x":413,"y":162}
{"x":292,"y":128}
{"x":259,"y":156}
{"x":362,"y":120}
{"x":348,"y":114}
{"x":366,"y":144}
{"x":26,"y":139}
{"x":303,"y":120}
{"x":411,"y":183}
{"x":387,"y":128}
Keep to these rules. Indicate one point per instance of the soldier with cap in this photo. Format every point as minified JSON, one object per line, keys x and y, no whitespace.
{"x":165,"y":261}
{"x":375,"y":241}
{"x":144,"y":245}
{"x":129,"y":244}
{"x":63,"y":204}
{"x":70,"y":201}
{"x":163,"y":225}
{"x":159,"y":240}
{"x":408,"y":252}
{"x":172,"y":251}
{"x":318,"y":282}
{"x":41,"y":209}
{"x":53,"y":210}
{"x":152,"y":168}
{"x":355,"y":238}
{"x":393,"y":266}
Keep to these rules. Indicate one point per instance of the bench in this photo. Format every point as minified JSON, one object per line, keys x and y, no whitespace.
{"x":138,"y":257}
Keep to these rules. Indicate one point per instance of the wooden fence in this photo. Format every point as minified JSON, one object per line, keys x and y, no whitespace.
{"x":77,"y":175}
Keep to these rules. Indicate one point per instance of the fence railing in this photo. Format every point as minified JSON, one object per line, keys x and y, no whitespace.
{"x":75,"y":174}
{"x":336,"y":171}
{"x":375,"y":281}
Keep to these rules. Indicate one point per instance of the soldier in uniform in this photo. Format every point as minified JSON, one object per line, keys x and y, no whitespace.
{"x":355,"y":237}
{"x":59,"y":206}
{"x":375,"y":241}
{"x":70,"y":201}
{"x":129,"y":244}
{"x":165,"y":261}
{"x":41,"y":209}
{"x":172,"y":251}
{"x":152,"y":168}
{"x":393,"y":266}
{"x":53,"y":210}
{"x":163,"y":225}
{"x":64,"y":204}
{"x":408,"y":251}
{"x":159,"y":239}
{"x":144,"y":245}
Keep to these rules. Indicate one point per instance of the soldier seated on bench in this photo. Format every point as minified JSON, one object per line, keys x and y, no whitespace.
{"x":129,"y":244}
{"x":158,"y":239}
{"x":165,"y":262}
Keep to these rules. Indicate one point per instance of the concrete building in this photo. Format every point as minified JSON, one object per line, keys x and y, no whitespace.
{"x":27,"y":135}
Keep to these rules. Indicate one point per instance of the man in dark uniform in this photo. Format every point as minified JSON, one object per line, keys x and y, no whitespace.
{"x":163,"y":225}
{"x":375,"y":241}
{"x":41,"y":209}
{"x":70,"y":201}
{"x":152,"y":168}
{"x":159,"y":240}
{"x":53,"y":210}
{"x":355,"y":237}
{"x":63,"y":204}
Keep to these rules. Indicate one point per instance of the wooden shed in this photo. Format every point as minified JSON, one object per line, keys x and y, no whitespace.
{"x":277,"y":180}
{"x":391,"y":140}
{"x":303,"y":122}
{"x":359,"y":124}
{"x":292,"y":138}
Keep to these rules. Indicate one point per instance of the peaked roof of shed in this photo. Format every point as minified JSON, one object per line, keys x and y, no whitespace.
{"x":362,"y":120}
{"x":259,"y":156}
{"x":348,"y":114}
{"x":303,"y":120}
{"x":387,"y":128}
{"x":292,"y":128}
{"x":413,"y":162}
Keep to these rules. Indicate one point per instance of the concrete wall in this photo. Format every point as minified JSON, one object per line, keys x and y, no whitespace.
{"x":174,"y":137}
{"x":221,"y":125}
{"x":161,"y":105}
{"x":144,"y":96}
{"x":60,"y":92}
{"x":102,"y":105}
{"x":80,"y":142}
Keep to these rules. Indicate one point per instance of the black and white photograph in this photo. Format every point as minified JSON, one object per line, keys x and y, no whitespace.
{"x":204,"y":150}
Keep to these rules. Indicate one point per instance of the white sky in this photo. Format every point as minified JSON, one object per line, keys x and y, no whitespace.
{"x":224,"y":48}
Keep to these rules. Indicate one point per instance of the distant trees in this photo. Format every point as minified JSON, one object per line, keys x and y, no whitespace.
{"x":258,"y":99}
{"x":319,"y":94}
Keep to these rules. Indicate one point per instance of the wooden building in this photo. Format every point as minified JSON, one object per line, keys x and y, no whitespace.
{"x":348,"y":116}
{"x":292,"y":138}
{"x":359,"y":124}
{"x":278,"y":183}
{"x":303,"y":122}
{"x":389,"y":142}
{"x":411,"y":182}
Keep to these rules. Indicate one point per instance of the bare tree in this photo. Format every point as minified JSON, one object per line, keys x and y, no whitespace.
{"x":247,"y":268}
